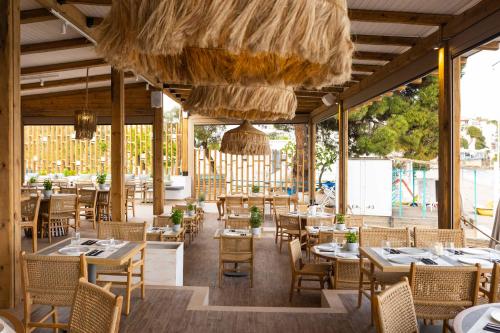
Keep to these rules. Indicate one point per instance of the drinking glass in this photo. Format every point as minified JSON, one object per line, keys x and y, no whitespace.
{"x":75,"y":238}
{"x":334,"y":246}
{"x":450,"y":248}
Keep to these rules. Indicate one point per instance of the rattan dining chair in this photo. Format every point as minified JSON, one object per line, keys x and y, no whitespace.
{"x":441,"y":292}
{"x":88,"y":205}
{"x":277,"y":211}
{"x":258,"y":201}
{"x":50,"y":281}
{"x":103,"y":205}
{"x":62,"y":208}
{"x":305,"y":272}
{"x":68,"y":190}
{"x":129,"y":199}
{"x":232,"y":202}
{"x":237,"y":223}
{"x":373,"y":237}
{"x":14,"y":322}
{"x":237,"y":251}
{"x":291,"y":227}
{"x":394,"y":310}
{"x":192,"y":224}
{"x":29,"y":218}
{"x":491,"y":289}
{"x":425,"y":237}
{"x":134,"y":268}
{"x":319,"y":221}
{"x":95,"y":310}
{"x":354,"y":221}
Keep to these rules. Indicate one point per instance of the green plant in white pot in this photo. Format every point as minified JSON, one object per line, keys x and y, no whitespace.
{"x":101,"y":180}
{"x":47,"y":188}
{"x":255,"y":220}
{"x":190,"y":209}
{"x":340,"y":222}
{"x":32,"y":181}
{"x":255,"y":189}
{"x":201,"y":200}
{"x":352,"y":241}
{"x":177,"y":217}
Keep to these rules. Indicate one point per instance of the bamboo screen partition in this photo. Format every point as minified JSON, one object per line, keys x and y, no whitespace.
{"x":53,"y":149}
{"x":217,"y":173}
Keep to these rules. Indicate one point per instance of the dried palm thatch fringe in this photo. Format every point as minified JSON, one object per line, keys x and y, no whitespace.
{"x":242,"y":102}
{"x":286,"y":42}
{"x":245,"y":140}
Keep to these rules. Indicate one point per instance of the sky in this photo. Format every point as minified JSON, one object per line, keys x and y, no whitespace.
{"x":480,"y":86}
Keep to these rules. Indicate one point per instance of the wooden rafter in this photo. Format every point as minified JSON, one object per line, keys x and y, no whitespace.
{"x":36,"y":15}
{"x":60,"y":45}
{"x":383,"y":16}
{"x":384,"y":40}
{"x":70,"y":82}
{"x":66,"y":66}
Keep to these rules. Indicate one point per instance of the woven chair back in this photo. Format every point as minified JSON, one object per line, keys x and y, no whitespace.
{"x":429,"y":237}
{"x":63,"y":206}
{"x":290,"y":222}
{"x":354,"y":221}
{"x":163,"y":221}
{"x":68,"y":190}
{"x":295,"y":255}
{"x":257,"y":201}
{"x":30,"y":208}
{"x":329,"y":236}
{"x":130,"y":189}
{"x":395,"y":312}
{"x":51,"y":280}
{"x":236,"y":245}
{"x":445,"y":286}
{"x":81,"y":185}
{"x":237,"y":223}
{"x":124,"y":231}
{"x":281,"y":201}
{"x":103,"y":197}
{"x":374,"y":237}
{"x":94,"y":309}
{"x":88,"y":198}
{"x":238,"y":210}
{"x":320,"y":221}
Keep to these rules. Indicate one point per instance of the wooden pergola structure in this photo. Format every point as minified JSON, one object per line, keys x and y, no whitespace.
{"x":46,"y":45}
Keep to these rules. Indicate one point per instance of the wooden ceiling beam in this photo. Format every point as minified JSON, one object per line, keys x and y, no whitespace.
{"x":380,"y":56}
{"x":69,"y":82}
{"x":60,"y":45}
{"x":382,"y":16}
{"x":89,"y":2}
{"x":365,"y":68}
{"x":384,"y":40}
{"x":44,"y":69}
{"x":36,"y":15}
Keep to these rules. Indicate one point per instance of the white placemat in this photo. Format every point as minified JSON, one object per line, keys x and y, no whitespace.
{"x":482,"y":321}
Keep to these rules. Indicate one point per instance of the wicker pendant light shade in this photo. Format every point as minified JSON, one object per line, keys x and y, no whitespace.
{"x":85,"y":120}
{"x":240,"y":102}
{"x":247,"y":42}
{"x":245,"y":140}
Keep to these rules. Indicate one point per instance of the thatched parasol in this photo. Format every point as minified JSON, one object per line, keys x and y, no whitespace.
{"x":245,"y":140}
{"x":240,"y":102}
{"x":285,"y":42}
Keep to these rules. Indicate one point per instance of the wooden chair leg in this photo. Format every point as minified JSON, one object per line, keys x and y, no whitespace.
{"x":360,"y":290}
{"x":299,"y":285}
{"x":34,"y":239}
{"x":292,"y":287}
{"x":221,"y":268}
{"x":54,"y":318}
{"x":445,"y":326}
{"x":128,"y":293}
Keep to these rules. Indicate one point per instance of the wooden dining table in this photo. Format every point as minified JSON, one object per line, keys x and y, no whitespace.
{"x":474,"y":319}
{"x":268,"y":198}
{"x":112,"y":256}
{"x":326,"y":251}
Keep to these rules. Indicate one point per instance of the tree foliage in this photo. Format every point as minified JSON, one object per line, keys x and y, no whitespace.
{"x":476,"y":133}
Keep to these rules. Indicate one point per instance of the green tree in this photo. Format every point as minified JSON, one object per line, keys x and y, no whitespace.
{"x":325,"y":158}
{"x":476,"y":133}
{"x":464,"y":143}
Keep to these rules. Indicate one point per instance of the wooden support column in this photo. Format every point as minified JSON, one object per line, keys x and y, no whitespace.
{"x":190,"y":156}
{"x":343,"y":158}
{"x":312,"y":161}
{"x":158,"y":184}
{"x":117,"y":145}
{"x":449,"y":149}
{"x":10,"y":159}
{"x":185,"y":147}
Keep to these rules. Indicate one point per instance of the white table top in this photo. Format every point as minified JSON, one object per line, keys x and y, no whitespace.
{"x":473,"y":320}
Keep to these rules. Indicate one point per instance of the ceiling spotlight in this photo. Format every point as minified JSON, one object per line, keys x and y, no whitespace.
{"x":147,"y":86}
{"x":328,"y":99}
{"x":42,"y":82}
{"x":137,"y":78}
{"x":64,"y":28}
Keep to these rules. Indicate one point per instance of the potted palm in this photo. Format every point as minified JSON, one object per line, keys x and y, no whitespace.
{"x":101,"y":180}
{"x":177,"y":219}
{"x":47,"y":188}
{"x":255,"y":220}
{"x":352,"y":241}
{"x":190,"y":209}
{"x":201,"y":200}
{"x":340,"y":219}
{"x":255,"y":189}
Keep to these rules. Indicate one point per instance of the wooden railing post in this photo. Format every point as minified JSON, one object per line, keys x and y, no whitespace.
{"x":158,"y":183}
{"x":343,"y":158}
{"x":117,"y":145}
{"x":10,"y":159}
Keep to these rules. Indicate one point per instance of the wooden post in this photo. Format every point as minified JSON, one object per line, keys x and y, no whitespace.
{"x":158,"y":184}
{"x":457,"y":208}
{"x":190,"y":154}
{"x":343,"y":158}
{"x":117,"y":145}
{"x":449,"y":150}
{"x":312,"y":161}
{"x":10,"y":159}
{"x":185,"y":147}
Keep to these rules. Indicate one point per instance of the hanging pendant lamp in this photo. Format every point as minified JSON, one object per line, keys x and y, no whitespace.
{"x":85,"y":120}
{"x":245,"y":140}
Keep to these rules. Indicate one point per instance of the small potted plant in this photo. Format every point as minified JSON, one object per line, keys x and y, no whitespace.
{"x":255,"y":220}
{"x":352,"y":241}
{"x":101,"y":180}
{"x":340,"y":219}
{"x":201,"y":200}
{"x":177,"y":217}
{"x":31,"y":181}
{"x":255,"y":189}
{"x":47,"y":188}
{"x":190,"y":209}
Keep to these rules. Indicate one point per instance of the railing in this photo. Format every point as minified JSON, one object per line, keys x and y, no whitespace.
{"x":218,"y":173}
{"x":470,"y":222}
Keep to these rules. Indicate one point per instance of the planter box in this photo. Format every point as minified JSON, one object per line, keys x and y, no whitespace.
{"x":164,"y":263}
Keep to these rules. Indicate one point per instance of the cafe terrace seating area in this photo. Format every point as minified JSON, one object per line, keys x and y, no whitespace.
{"x":115,"y":218}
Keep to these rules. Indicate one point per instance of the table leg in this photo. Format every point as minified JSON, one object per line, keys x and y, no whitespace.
{"x":92,"y":272}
